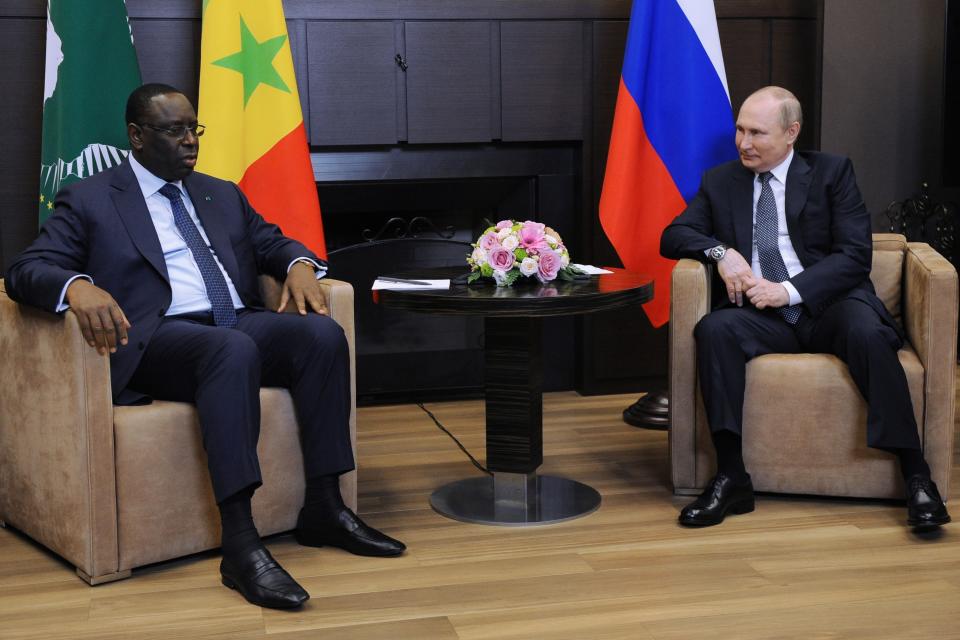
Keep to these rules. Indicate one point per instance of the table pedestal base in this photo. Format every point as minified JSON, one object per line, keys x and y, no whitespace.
{"x":515,"y":499}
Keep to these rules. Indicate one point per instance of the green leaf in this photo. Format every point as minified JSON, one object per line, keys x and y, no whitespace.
{"x":511,"y":277}
{"x":473,"y":277}
{"x":565,"y":275}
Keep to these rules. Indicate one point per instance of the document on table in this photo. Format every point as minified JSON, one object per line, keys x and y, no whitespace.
{"x":591,"y":270}
{"x":402,"y":284}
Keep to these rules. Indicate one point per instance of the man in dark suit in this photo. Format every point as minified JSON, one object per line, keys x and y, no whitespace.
{"x":791,"y":241}
{"x":160,"y":266}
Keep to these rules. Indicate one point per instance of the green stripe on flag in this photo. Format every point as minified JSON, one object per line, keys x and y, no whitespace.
{"x":91,"y":68}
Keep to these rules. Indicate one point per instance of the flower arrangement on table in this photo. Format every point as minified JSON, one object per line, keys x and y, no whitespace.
{"x":510,"y":250}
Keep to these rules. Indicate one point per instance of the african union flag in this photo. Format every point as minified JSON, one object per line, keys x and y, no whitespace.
{"x":91,"y":68}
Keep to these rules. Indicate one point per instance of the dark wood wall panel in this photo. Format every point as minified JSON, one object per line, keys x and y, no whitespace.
{"x":542,"y":80}
{"x":448,"y":81}
{"x":169,"y":52}
{"x":352,"y":82}
{"x":799,"y":73}
{"x":22,"y":43}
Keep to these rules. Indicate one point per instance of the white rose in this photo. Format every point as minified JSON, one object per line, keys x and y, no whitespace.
{"x":500,"y":277}
{"x":503,"y":233}
{"x":528,"y":266}
{"x":564,"y":260}
{"x":510,"y":242}
{"x":479,"y":256}
{"x":553,"y":242}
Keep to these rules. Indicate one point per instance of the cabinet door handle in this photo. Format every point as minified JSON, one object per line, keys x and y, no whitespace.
{"x":400,"y":61}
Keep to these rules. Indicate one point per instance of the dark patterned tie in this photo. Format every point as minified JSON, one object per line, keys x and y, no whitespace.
{"x":224,"y":315}
{"x":766,"y":235}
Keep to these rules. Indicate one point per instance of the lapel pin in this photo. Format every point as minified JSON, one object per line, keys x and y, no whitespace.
{"x":208,"y":198}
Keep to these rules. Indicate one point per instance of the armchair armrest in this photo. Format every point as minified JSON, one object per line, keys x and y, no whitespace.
{"x":930,"y":322}
{"x":57,"y":471}
{"x":689,"y":301}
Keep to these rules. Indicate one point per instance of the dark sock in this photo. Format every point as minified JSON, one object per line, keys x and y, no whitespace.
{"x":729,"y":448}
{"x":239,"y":534}
{"x":911,"y":463}
{"x":323,"y":500}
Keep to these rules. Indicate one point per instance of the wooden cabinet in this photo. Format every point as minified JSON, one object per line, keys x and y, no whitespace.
{"x":542,"y":80}
{"x":352,"y":83}
{"x":448,"y":81}
{"x":454,"y":81}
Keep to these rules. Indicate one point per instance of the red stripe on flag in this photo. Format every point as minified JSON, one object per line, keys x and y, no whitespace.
{"x":281,"y":187}
{"x":638,"y":201}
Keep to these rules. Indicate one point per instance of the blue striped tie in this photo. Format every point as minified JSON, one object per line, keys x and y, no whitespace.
{"x":221,"y":304}
{"x":766,"y":236}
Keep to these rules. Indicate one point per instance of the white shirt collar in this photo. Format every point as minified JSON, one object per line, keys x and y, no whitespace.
{"x":780,"y":171}
{"x":149,"y":183}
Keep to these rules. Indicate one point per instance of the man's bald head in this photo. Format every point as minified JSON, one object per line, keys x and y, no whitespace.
{"x":790,"y":110}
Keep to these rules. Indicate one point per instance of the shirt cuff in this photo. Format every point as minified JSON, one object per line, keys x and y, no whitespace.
{"x":63,"y":306}
{"x":320,"y":270}
{"x":792,"y":292}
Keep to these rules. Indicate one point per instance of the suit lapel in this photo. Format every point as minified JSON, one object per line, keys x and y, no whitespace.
{"x":132,"y":208}
{"x":211,"y":217}
{"x":798,"y":184}
{"x":741,"y":204}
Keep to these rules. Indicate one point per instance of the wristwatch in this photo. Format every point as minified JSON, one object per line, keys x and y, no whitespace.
{"x":716,"y":254}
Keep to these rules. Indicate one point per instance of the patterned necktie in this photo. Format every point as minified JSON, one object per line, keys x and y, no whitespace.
{"x":224,"y":315}
{"x":766,"y":235}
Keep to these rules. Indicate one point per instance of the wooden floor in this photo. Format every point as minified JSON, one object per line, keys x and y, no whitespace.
{"x":796,"y":568}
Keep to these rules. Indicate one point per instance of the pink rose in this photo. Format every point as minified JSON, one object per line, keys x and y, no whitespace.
{"x":488,"y":242}
{"x":501,"y":259}
{"x":504,"y":224}
{"x":549,"y":265}
{"x":532,"y":235}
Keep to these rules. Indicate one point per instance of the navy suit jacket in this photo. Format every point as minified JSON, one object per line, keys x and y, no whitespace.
{"x":101,"y":227}
{"x":828,"y":224}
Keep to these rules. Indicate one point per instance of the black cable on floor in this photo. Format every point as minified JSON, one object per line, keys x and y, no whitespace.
{"x":475,"y":462}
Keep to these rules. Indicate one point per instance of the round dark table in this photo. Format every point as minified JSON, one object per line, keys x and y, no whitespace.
{"x":515,"y":494}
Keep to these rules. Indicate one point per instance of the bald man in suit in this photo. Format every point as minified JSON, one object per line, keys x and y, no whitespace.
{"x":791,"y":240}
{"x":160,"y":266}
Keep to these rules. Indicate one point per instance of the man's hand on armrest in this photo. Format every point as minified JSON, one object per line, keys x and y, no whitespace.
{"x":736,"y":273}
{"x":102,"y":322}
{"x":303,"y":287}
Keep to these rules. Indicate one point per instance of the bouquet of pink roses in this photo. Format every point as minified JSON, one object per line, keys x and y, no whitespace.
{"x":510,"y":249}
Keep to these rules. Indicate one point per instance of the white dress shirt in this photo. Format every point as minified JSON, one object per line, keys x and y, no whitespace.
{"x":188,"y":292}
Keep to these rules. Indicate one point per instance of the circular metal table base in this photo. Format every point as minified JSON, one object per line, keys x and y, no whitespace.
{"x":550,"y":500}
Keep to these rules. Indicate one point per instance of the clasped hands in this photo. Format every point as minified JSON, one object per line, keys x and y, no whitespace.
{"x":104,"y":325}
{"x":736,"y":273}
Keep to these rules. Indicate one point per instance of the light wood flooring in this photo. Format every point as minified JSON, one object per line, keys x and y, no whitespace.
{"x":796,"y":568}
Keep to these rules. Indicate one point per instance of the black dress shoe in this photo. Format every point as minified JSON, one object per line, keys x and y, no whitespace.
{"x":721,"y":496}
{"x":347,"y":531}
{"x":925,"y":508}
{"x":261,"y":580}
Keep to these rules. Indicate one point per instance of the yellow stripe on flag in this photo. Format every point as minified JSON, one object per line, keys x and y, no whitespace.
{"x":248,"y":91}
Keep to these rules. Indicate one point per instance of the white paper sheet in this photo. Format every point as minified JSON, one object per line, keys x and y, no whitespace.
{"x":590,"y":269}
{"x":381,"y":285}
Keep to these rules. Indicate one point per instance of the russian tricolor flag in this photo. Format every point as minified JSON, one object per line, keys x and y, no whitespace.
{"x":673,"y":121}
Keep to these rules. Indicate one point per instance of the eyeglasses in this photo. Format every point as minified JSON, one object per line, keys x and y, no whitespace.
{"x":179,"y":132}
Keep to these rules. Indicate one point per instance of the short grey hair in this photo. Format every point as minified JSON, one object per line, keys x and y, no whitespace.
{"x":790,"y":110}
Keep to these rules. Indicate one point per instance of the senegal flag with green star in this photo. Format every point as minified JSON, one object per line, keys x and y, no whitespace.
{"x":251,"y":109}
{"x":91,"y":68}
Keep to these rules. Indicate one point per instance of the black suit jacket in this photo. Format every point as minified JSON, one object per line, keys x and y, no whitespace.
{"x":101,"y":227}
{"x":828,"y":224}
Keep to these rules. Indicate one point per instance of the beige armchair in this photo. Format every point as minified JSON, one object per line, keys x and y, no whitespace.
{"x":113,"y":488}
{"x":804,"y":420}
